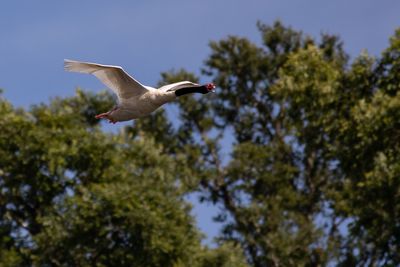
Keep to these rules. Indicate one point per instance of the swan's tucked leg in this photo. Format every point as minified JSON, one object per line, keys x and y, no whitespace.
{"x":102,"y":115}
{"x":107,"y":116}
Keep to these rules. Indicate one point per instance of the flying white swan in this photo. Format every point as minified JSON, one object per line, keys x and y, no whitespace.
{"x":135,"y":100}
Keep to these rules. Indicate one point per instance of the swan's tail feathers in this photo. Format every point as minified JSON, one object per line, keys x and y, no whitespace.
{"x":77,"y":66}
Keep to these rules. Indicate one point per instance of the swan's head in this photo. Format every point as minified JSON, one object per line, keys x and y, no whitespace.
{"x":210,"y":87}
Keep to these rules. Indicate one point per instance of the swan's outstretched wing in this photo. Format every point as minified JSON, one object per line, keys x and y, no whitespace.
{"x":113,"y":77}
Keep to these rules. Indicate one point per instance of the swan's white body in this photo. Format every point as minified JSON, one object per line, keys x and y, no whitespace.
{"x":135,"y":100}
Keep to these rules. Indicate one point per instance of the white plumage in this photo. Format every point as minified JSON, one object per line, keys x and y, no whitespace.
{"x":135,"y":100}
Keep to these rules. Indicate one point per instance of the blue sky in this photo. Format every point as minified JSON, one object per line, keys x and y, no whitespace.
{"x":148,"y":37}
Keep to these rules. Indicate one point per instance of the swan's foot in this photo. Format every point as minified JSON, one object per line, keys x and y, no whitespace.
{"x":103,"y":116}
{"x":106,"y":116}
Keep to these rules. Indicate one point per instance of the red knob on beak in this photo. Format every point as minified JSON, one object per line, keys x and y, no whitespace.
{"x":210,"y":87}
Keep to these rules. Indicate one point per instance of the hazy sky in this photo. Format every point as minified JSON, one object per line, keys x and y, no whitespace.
{"x":147,"y":37}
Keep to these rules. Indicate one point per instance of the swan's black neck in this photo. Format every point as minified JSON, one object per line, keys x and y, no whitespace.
{"x":190,"y":90}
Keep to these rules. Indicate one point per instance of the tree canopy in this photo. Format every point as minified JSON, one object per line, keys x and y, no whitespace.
{"x":312,"y":177}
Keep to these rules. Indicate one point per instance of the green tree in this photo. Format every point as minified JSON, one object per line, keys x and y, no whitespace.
{"x":272,"y":187}
{"x":369,"y":154}
{"x":312,"y":177}
{"x":73,"y":195}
